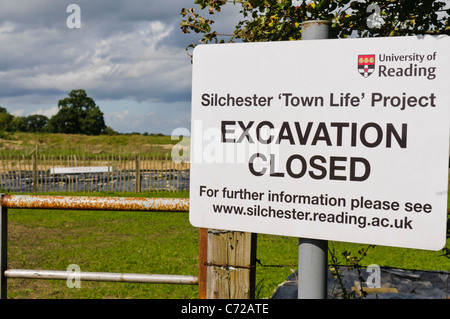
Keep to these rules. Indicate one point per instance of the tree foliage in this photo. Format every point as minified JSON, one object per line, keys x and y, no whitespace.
{"x":78,"y":114}
{"x":5,"y":120}
{"x":275,"y":20}
{"x":36,"y":123}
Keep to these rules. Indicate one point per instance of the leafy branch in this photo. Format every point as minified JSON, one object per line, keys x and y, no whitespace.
{"x":280,"y":20}
{"x":351,"y":262}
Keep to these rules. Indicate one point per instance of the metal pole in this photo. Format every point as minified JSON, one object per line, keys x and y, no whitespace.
{"x":313,"y":253}
{"x":312,"y":268}
{"x":102,"y":276}
{"x":96,"y":203}
{"x":315,"y":30}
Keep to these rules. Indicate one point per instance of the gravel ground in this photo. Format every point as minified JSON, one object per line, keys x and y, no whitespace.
{"x":395,"y":284}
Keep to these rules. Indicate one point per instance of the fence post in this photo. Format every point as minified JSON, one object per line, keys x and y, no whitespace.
{"x":35,"y":173}
{"x":3,"y":248}
{"x":138,"y":174}
{"x":231,"y":265}
{"x":202,"y":261}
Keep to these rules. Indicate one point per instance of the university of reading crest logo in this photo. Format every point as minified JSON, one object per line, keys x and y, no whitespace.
{"x":366,"y":64}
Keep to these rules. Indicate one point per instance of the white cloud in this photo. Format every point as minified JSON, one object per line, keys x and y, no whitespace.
{"x":128,"y":116}
{"x":128,"y":51}
{"x":49,"y":112}
{"x":135,"y":59}
{"x":18,"y":112}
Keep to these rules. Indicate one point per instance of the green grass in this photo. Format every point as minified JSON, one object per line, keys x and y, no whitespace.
{"x":52,"y":144}
{"x":132,"y":242}
{"x":159,"y":243}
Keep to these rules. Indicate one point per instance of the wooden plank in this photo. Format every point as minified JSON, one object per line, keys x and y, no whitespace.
{"x":35,"y":175}
{"x":202,"y":261}
{"x":358,"y":289}
{"x":138,"y":174}
{"x":231,"y":265}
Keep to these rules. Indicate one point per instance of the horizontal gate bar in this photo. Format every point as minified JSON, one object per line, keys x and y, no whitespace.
{"x":101,"y":276}
{"x":96,"y":203}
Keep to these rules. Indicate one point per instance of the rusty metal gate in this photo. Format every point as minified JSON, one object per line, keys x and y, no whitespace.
{"x":95,"y":203}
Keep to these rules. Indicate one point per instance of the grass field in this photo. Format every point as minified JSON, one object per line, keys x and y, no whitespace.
{"x":159,"y":243}
{"x":77,"y":144}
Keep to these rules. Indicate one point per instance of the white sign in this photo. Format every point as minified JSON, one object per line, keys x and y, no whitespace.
{"x":344,"y":140}
{"x":80,"y":169}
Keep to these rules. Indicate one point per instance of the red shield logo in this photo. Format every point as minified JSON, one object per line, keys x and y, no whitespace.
{"x":366,"y":64}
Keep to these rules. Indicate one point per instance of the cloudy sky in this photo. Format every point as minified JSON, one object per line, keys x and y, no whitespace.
{"x":128,"y":55}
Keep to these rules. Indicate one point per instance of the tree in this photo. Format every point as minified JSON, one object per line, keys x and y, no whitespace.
{"x":78,"y":114}
{"x":19,"y":123}
{"x":275,"y":20}
{"x":5,"y":120}
{"x":36,"y":123}
{"x":110,"y":131}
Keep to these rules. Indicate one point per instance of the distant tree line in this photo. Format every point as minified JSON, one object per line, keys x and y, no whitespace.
{"x":77,"y":114}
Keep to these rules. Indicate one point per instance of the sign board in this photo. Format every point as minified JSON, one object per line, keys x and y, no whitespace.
{"x":80,"y":170}
{"x":344,"y":140}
